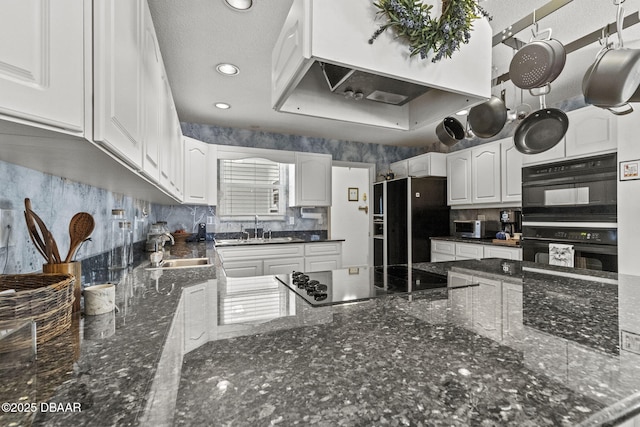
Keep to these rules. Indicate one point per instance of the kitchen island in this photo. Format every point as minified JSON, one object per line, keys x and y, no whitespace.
{"x":507,"y":343}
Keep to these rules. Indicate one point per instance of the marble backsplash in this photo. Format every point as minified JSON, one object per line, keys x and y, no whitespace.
{"x":57,"y":199}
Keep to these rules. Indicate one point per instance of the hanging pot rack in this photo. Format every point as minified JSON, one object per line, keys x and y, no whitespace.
{"x":507,"y":36}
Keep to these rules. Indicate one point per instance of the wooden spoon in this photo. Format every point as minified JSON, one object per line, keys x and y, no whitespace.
{"x":80,"y":228}
{"x":43,"y":233}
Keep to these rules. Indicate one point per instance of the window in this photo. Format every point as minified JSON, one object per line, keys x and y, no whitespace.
{"x":252,"y":187}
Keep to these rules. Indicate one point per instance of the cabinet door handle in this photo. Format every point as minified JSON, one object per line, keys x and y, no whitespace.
{"x":364,"y":208}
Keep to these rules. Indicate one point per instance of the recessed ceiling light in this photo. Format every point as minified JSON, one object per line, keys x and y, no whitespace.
{"x":227,"y":69}
{"x":462,"y":113}
{"x":239,"y":4}
{"x":222,"y":105}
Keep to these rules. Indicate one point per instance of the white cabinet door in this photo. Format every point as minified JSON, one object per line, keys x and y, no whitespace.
{"x":313,"y":179}
{"x":459,"y":178}
{"x":469,"y":251}
{"x":117,"y":78}
{"x":282,"y":266}
{"x":153,"y":100}
{"x":460,"y":298}
{"x":512,"y":329}
{"x":429,"y":164}
{"x":322,"y":263}
{"x":42,"y":62}
{"x":487,"y":307}
{"x":195,"y":317}
{"x":443,"y":247}
{"x":592,"y":130}
{"x":511,"y":172}
{"x":247,"y":268}
{"x":492,"y":251}
{"x":199,"y":172}
{"x":485,"y":177}
{"x":438,"y":257}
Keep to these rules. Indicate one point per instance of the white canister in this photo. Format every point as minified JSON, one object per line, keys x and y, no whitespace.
{"x":99,"y":299}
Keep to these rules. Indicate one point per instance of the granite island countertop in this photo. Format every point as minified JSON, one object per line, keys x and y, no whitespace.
{"x":106,"y":363}
{"x":514,"y":346}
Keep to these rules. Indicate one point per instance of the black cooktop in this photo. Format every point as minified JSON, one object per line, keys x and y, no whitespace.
{"x":357,"y":284}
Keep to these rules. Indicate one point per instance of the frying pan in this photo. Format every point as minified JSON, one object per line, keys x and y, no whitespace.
{"x":541,"y":130}
{"x":450,"y":131}
{"x":612,"y":80}
{"x":488,"y":118}
{"x":537,"y":63}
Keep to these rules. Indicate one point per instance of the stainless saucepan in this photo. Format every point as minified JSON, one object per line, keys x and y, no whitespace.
{"x":612,"y":80}
{"x":538,"y":63}
{"x":450,"y":131}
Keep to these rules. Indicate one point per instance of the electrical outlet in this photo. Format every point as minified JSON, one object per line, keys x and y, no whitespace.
{"x":7,"y":228}
{"x":292,"y":220}
{"x":630,"y":341}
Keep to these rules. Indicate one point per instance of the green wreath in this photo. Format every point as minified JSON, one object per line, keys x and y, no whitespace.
{"x":411,"y":20}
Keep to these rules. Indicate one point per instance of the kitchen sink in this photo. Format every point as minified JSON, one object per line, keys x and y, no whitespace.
{"x":222,"y":242}
{"x":183,"y":263}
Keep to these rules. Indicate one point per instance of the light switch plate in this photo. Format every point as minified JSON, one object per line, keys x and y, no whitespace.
{"x":7,"y":228}
{"x":630,"y":341}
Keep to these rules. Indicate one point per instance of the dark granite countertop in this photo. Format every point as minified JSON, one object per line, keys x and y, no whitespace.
{"x":106,"y":363}
{"x":519,"y":345}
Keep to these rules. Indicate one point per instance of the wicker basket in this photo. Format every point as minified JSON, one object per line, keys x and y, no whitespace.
{"x":45,"y":298}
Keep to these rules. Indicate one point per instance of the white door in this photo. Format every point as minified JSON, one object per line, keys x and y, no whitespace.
{"x":347,"y":221}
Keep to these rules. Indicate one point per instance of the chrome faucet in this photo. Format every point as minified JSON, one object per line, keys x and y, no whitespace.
{"x":255,"y":233}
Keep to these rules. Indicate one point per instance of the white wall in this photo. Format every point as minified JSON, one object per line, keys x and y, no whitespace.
{"x":629,"y":196}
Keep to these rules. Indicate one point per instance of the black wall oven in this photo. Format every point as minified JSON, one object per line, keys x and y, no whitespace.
{"x":569,"y":213}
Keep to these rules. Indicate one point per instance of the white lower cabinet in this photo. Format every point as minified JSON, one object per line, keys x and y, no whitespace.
{"x":487,"y":307}
{"x":266,"y":259}
{"x":195,"y":316}
{"x":469,"y":251}
{"x":282,"y":266}
{"x":447,"y":250}
{"x":493,"y":251}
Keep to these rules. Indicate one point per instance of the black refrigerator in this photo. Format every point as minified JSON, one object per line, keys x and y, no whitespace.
{"x":416,"y":210}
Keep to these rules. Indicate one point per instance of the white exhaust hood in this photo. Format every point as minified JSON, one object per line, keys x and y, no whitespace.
{"x":324,"y":66}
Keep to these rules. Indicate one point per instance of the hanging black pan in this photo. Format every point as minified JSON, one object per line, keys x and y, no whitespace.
{"x":541,"y":130}
{"x":450,"y":131}
{"x":488,"y":118}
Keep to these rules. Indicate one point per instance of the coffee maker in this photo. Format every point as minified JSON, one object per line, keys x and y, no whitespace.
{"x":511,"y":221}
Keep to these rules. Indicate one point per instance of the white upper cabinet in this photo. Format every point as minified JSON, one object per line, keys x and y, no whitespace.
{"x":459,"y":178}
{"x":200,"y":172}
{"x":313,"y":179}
{"x":511,"y":172}
{"x":400,"y":168}
{"x":429,"y":164}
{"x":42,"y":62}
{"x":488,"y":174}
{"x":485,"y":173}
{"x":592,"y":130}
{"x":118,"y":77}
{"x":153,"y":99}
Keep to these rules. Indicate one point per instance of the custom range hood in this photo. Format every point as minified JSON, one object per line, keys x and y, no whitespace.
{"x":324,"y":66}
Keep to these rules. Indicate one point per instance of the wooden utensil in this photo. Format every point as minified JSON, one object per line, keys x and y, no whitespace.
{"x":33,"y":233}
{"x":42,"y":233}
{"x":80,"y":228}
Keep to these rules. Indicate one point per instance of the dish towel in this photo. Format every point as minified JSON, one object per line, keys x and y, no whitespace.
{"x":561,"y":254}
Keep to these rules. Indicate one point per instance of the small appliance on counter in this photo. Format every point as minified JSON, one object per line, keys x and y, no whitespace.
{"x":511,"y":222}
{"x":201,"y":236}
{"x":474,"y":229}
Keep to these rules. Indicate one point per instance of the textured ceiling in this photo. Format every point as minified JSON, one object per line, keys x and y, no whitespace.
{"x":195,"y":35}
